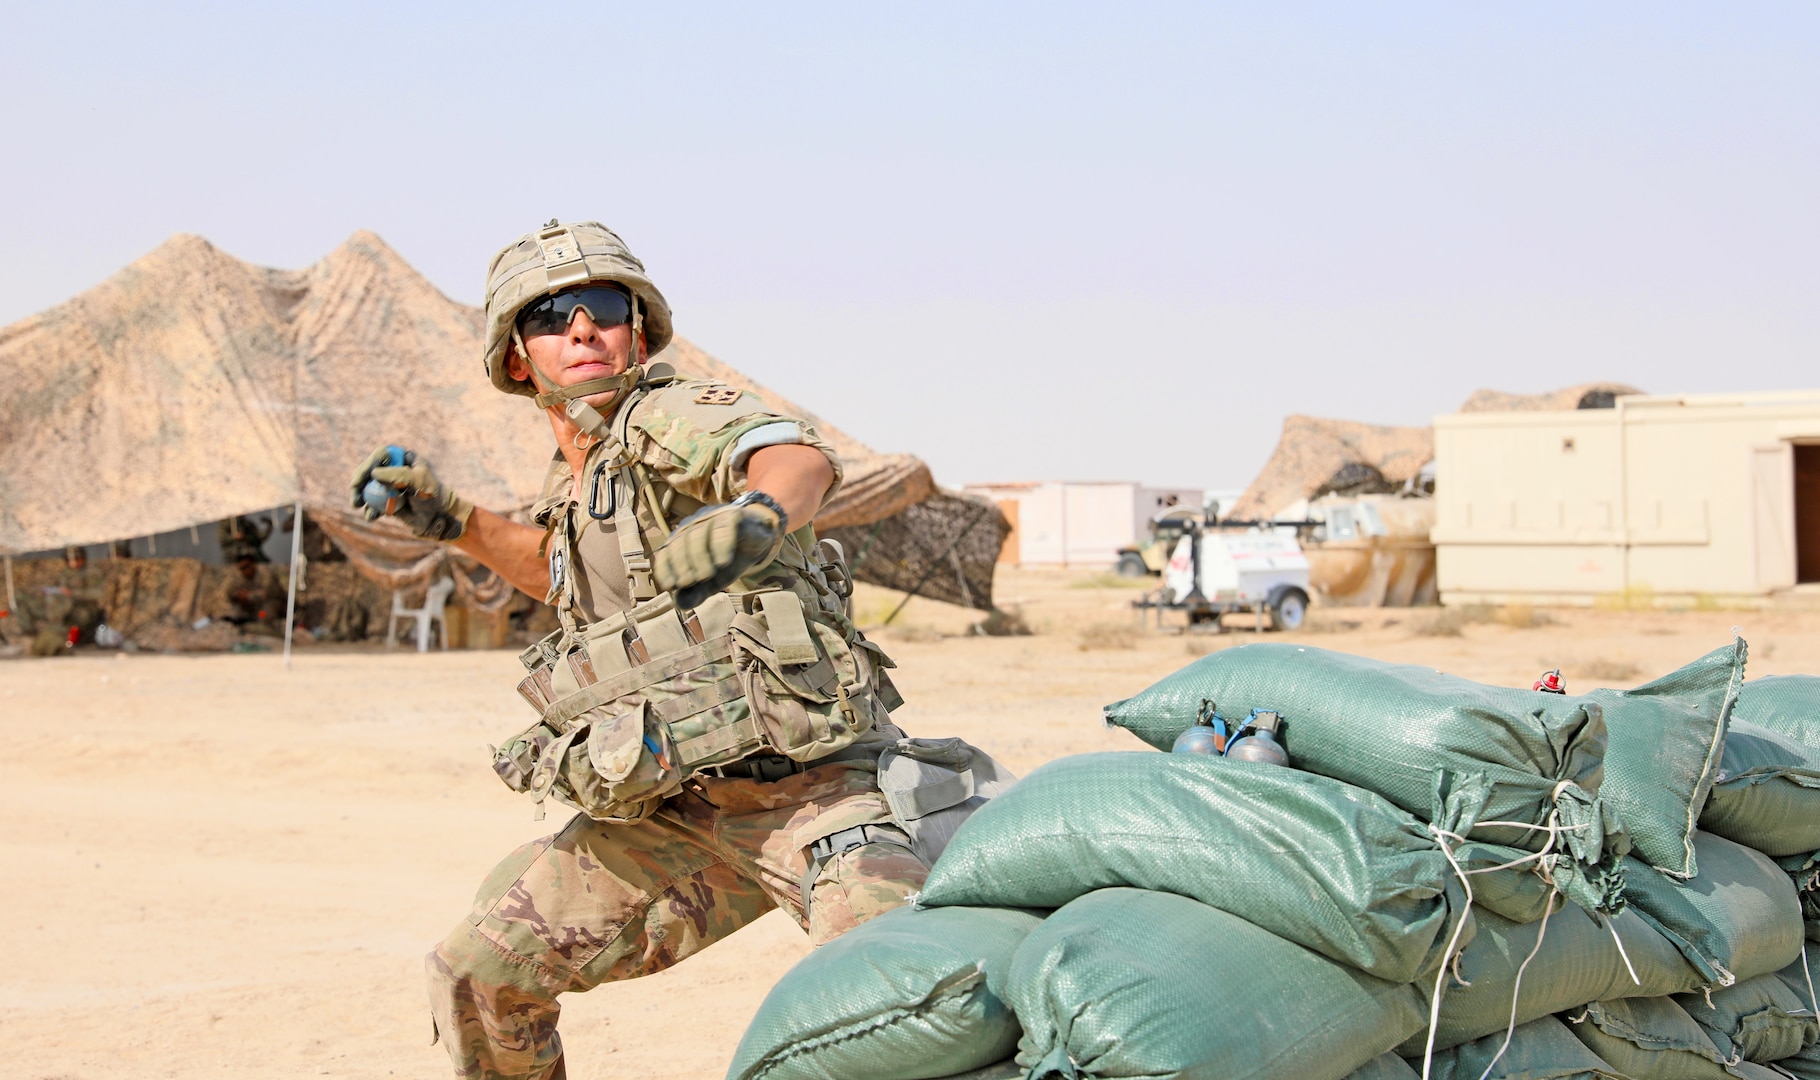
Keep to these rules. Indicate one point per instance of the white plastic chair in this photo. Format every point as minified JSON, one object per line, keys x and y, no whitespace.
{"x":434,"y":600}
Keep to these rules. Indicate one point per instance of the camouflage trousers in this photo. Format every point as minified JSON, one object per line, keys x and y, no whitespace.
{"x":598,"y":903}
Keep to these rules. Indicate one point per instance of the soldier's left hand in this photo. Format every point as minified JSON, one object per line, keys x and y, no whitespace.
{"x":715,"y":546}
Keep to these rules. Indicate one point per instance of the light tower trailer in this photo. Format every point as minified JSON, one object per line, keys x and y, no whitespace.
{"x":1255,"y":566}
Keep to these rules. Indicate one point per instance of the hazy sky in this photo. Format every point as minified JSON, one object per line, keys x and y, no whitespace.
{"x":1024,"y":241}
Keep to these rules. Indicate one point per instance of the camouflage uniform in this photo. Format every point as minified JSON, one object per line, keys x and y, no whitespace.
{"x":75,"y":600}
{"x":242,"y":537}
{"x":598,"y":901}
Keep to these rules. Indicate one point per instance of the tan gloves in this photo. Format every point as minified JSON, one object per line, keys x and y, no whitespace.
{"x":715,"y":546}
{"x":395,"y":481}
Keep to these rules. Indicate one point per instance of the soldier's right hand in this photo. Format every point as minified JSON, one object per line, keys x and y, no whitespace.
{"x":411,"y":492}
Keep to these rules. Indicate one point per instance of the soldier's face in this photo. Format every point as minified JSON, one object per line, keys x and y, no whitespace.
{"x":585,"y":352}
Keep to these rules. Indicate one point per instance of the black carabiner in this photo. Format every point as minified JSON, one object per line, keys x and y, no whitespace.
{"x":594,"y":495}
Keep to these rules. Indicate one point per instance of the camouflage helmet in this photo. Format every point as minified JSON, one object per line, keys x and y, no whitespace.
{"x":554,"y":258}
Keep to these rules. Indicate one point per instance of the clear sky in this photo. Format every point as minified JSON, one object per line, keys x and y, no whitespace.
{"x":1024,"y":241}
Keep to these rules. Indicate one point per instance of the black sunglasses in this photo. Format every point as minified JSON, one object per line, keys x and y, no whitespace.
{"x":605,"y":305}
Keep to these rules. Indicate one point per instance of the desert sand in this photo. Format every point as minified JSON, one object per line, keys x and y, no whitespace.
{"x":215,"y":867}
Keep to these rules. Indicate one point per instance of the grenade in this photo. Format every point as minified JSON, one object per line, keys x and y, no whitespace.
{"x":1207,"y":735}
{"x":383,"y":497}
{"x":1550,"y":683}
{"x":1261,"y":744}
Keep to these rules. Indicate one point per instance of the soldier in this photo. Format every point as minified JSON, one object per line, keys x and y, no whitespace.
{"x":706,"y":704}
{"x":256,"y":596}
{"x":243,"y":537}
{"x":73,"y":603}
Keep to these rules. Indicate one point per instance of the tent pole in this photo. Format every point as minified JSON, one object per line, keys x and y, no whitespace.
{"x":290,"y":598}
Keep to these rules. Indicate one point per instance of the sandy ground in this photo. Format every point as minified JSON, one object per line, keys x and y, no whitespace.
{"x":214,"y":867}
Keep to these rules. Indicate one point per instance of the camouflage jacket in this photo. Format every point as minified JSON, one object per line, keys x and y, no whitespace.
{"x":693,"y":440}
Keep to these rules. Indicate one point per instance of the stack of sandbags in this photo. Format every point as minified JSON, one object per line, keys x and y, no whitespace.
{"x":1741,"y":917}
{"x":909,"y":994}
{"x":1789,"y":707}
{"x":1467,"y":879}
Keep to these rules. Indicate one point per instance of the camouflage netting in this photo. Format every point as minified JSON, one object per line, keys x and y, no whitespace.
{"x":1596,"y":395}
{"x":195,"y":387}
{"x":944,"y":547}
{"x":1316,"y":456}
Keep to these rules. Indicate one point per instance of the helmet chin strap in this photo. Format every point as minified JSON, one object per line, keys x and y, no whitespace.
{"x":580,"y":413}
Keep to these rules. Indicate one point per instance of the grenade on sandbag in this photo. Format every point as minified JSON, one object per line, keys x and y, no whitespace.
{"x":1207,"y":735}
{"x":1260,"y":743}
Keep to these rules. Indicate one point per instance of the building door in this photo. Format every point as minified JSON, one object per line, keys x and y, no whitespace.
{"x":1807,"y":513}
{"x":1773,"y":514}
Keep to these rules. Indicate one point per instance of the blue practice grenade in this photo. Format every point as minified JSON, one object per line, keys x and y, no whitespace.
{"x":1258,"y":738}
{"x":383,"y":498}
{"x":1207,"y":735}
{"x":1259,"y":742}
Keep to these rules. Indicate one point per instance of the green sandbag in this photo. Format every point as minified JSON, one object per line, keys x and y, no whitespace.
{"x":1664,"y":740}
{"x":1448,"y":750}
{"x":1654,"y":1039}
{"x":1385,"y":1067}
{"x":908,"y":995}
{"x":1007,"y":1069}
{"x":1804,"y":871}
{"x":1786,"y":704}
{"x":1578,"y":962}
{"x":1805,"y":1064}
{"x":1128,"y":983}
{"x":1542,"y":1049}
{"x":1767,"y":793}
{"x":1317,"y":862}
{"x":1740,"y":918}
{"x":1521,"y":895}
{"x":1800,"y":977}
{"x":1762,"y":1019}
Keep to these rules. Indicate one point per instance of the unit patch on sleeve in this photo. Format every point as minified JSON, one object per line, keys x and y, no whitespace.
{"x":718,"y":395}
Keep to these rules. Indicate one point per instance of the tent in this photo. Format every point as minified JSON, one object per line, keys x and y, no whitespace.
{"x":1315,"y":456}
{"x":192,"y":386}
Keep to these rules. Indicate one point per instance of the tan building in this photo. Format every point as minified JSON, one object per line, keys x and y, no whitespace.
{"x":1658,"y":499}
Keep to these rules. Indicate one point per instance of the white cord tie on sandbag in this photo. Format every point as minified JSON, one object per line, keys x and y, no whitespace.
{"x":1516,"y":989}
{"x":1613,"y":927}
{"x":1450,"y":957}
{"x":1811,"y":1000}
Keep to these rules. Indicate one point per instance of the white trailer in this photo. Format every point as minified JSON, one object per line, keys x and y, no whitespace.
{"x":1217,"y":570}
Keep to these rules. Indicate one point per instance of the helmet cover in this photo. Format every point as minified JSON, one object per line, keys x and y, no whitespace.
{"x":554,"y":258}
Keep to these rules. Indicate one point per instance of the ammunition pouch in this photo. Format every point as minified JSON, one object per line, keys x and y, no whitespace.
{"x":646,"y":699}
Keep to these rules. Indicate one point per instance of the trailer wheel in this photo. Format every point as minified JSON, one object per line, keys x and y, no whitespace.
{"x":1131,"y":564}
{"x":1289,"y":610}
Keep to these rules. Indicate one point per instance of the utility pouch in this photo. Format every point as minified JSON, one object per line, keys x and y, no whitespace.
{"x":812,"y":692}
{"x":647,"y":699}
{"x":632,"y":706}
{"x":933,"y":785}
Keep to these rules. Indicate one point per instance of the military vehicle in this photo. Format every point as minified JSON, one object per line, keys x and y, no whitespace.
{"x":1166,"y":531}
